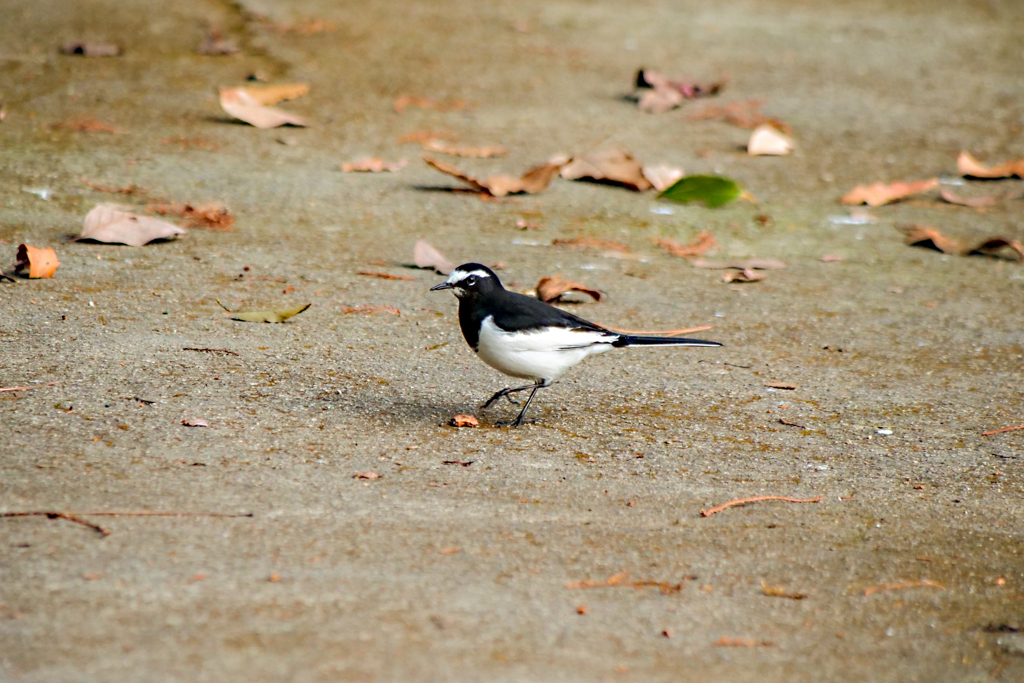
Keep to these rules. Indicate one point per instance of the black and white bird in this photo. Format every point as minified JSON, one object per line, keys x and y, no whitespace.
{"x":527,"y":338}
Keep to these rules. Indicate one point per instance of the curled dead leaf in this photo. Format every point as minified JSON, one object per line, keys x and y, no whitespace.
{"x":274,"y":93}
{"x":424,"y":255}
{"x":924,"y":236}
{"x":973,"y":202}
{"x":40,"y":262}
{"x":464,"y":421}
{"x":662,"y":176}
{"x":745,"y":275}
{"x":666,"y":94}
{"x":115,"y":224}
{"x":213,"y":215}
{"x":246,"y":104}
{"x":884,"y":193}
{"x":195,"y":422}
{"x":701,"y":243}
{"x":268,"y":316}
{"x":533,"y":181}
{"x":435,"y":145}
{"x":767,"y":141}
{"x":373,"y":165}
{"x":972,"y":168}
{"x":552,"y":288}
{"x":609,"y":165}
{"x":366,"y":475}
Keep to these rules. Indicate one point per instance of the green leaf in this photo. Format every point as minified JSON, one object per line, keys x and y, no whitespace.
{"x":711,"y":189}
{"x":278,"y":316}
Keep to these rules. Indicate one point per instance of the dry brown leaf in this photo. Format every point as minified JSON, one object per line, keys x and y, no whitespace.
{"x":78,"y":47}
{"x":435,"y":145}
{"x":40,"y":262}
{"x":245,"y":106}
{"x":992,"y":245}
{"x":662,"y":176}
{"x":610,"y":165}
{"x":745,"y":275}
{"x":552,"y":288}
{"x":465,"y":421}
{"x":660,"y":100}
{"x":213,"y":215}
{"x":766,"y":141}
{"x":366,"y":475}
{"x":742,"y":114}
{"x":972,"y":168}
{"x":403,"y":102}
{"x":589,"y":243}
{"x":666,"y":94}
{"x":424,"y":255}
{"x":749,"y":264}
{"x":533,"y":181}
{"x":702,"y":243}
{"x":973,"y":202}
{"x":272,"y":94}
{"x":115,"y":224}
{"x":216,"y":45}
{"x":924,"y":236}
{"x":373,"y":165}
{"x":195,"y":422}
{"x":780,"y":385}
{"x":884,"y":193}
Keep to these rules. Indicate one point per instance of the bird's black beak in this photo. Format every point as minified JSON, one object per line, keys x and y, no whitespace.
{"x":443,"y":285}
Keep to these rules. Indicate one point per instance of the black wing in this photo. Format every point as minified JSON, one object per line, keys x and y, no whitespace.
{"x":514,"y":311}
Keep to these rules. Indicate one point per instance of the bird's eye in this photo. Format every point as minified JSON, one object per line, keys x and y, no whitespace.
{"x":471,"y":280}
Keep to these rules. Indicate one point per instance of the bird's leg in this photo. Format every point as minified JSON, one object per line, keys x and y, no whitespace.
{"x":505,"y":392}
{"x":522,"y":413}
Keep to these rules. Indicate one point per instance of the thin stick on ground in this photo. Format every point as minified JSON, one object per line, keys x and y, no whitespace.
{"x":58,"y":515}
{"x":903,"y":584}
{"x":192,"y":348}
{"x":1004,"y":429}
{"x":76,"y":516}
{"x":744,"y":501}
{"x":48,"y":384}
{"x":662,"y":333}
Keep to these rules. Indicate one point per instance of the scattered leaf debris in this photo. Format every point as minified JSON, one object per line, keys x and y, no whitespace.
{"x":712,"y":190}
{"x":40,"y":262}
{"x":462,"y":420}
{"x":664,"y":94}
{"x":373,"y":165}
{"x":701,"y":244}
{"x":366,"y":475}
{"x":767,"y":141}
{"x":384,"y":276}
{"x":212,"y":215}
{"x":745,"y":501}
{"x":116,"y":224}
{"x":924,"y":236}
{"x":741,"y":642}
{"x":442,"y":147}
{"x":85,"y":49}
{"x":249,"y":104}
{"x":424,"y":255}
{"x":270,"y":316}
{"x":613,"y":166}
{"x":780,"y":592}
{"x":622,"y":579}
{"x":195,"y":422}
{"x":745,"y":114}
{"x":744,"y":275}
{"x":972,"y":168}
{"x":903,"y":584}
{"x":886,"y":193}
{"x":551,"y":289}
{"x":533,"y":181}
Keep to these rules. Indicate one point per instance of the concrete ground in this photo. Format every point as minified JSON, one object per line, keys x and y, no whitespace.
{"x":910,"y":566}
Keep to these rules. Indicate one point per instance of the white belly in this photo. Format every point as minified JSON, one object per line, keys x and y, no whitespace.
{"x":540,"y":355}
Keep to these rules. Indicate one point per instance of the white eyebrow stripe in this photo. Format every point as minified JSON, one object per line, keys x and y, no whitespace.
{"x":460,"y":275}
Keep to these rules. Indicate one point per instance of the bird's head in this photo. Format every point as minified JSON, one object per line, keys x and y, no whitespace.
{"x":470,"y":279}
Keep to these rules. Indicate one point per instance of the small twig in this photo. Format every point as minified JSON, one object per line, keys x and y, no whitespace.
{"x":745,"y":367}
{"x":663,"y":333}
{"x":791,"y":424}
{"x":48,"y":384}
{"x":780,"y":593}
{"x":190,"y":348}
{"x":385,"y":276}
{"x":904,"y":584}
{"x":1000,"y":431}
{"x":58,"y":515}
{"x":622,"y":579}
{"x":744,"y":501}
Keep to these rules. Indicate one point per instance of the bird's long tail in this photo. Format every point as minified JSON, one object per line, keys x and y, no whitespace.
{"x":629,"y":340}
